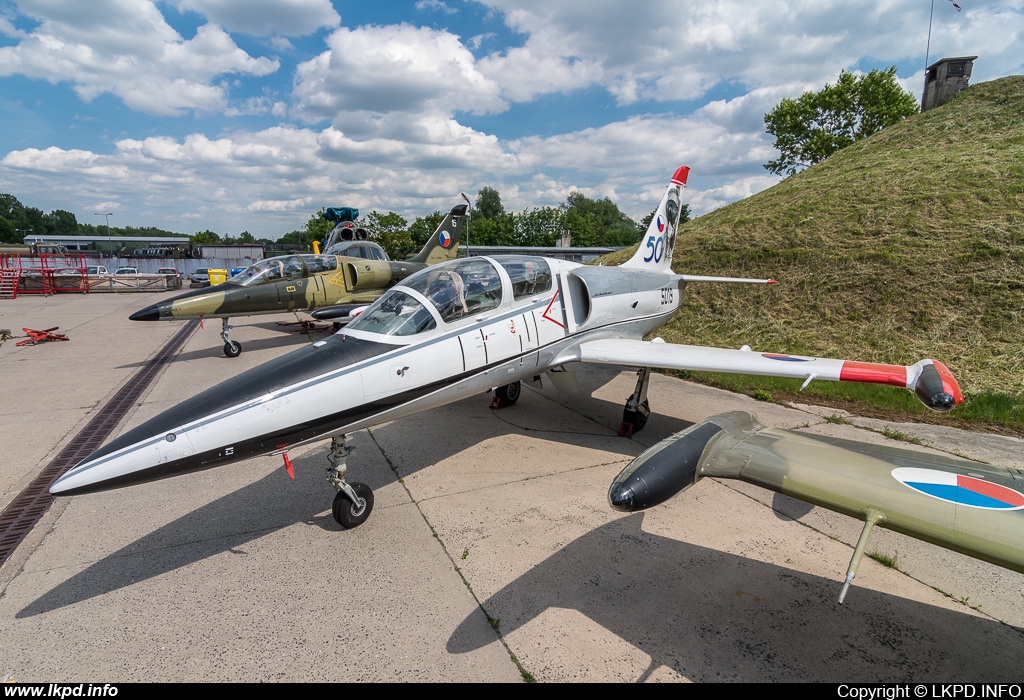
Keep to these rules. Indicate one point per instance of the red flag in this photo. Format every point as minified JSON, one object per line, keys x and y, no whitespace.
{"x":958,"y":8}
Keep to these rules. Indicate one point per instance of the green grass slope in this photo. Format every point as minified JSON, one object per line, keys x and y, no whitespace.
{"x":907,"y":245}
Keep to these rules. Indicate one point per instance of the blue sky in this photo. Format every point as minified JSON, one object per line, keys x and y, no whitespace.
{"x":232,"y":115}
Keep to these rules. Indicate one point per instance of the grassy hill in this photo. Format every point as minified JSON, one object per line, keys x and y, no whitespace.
{"x":909,"y":244}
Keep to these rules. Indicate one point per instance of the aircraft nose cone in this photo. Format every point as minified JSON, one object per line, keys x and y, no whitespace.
{"x":150,"y":313}
{"x":620,"y":497}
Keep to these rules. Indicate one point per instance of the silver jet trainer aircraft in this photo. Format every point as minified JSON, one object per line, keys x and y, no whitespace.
{"x":462,"y":328}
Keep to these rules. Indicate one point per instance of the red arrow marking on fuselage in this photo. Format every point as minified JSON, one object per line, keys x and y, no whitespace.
{"x":545,"y":314}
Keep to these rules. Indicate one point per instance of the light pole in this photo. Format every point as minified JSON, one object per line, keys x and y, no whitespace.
{"x":469,"y":209}
{"x":107,"y":216}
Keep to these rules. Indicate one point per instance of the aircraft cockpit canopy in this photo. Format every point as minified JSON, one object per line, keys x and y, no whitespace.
{"x":358,"y":249}
{"x":457,"y":289}
{"x":285,"y":267}
{"x":395,"y":313}
{"x":530,"y":275}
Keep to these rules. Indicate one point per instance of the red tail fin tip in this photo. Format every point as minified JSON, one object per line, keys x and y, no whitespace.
{"x":681,"y":174}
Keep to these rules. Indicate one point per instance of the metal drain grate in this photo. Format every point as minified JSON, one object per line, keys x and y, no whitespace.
{"x":30,"y":505}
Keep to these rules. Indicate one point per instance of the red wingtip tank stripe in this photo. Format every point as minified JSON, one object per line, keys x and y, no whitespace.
{"x":949,"y":382}
{"x":894,"y":375}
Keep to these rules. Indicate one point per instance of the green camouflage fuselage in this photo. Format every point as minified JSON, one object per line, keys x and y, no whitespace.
{"x":355,"y":281}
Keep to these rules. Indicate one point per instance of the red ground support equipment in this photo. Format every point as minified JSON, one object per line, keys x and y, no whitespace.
{"x":46,"y":273}
{"x":43,"y":336}
{"x":9,"y":279}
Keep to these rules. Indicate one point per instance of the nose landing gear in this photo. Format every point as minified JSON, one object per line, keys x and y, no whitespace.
{"x":353,"y":502}
{"x":232,"y":348}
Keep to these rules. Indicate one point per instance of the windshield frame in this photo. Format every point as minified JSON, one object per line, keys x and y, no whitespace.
{"x":279,"y":266}
{"x":355,"y":331}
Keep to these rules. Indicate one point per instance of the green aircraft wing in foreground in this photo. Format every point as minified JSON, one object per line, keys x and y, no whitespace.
{"x":972,"y":508}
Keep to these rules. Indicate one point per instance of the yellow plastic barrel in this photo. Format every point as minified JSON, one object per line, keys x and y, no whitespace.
{"x":218,"y":276}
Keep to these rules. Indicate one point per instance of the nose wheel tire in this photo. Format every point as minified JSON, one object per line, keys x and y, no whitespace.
{"x":232,"y":348}
{"x":349,"y":514}
{"x":509,"y":393}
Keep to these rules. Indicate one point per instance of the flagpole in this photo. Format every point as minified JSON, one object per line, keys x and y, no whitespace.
{"x":927,"y":51}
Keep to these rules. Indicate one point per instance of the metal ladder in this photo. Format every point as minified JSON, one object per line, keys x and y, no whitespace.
{"x":9,"y":278}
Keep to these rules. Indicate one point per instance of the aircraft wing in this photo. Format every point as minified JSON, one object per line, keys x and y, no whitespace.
{"x":933,"y":383}
{"x":966,"y":506}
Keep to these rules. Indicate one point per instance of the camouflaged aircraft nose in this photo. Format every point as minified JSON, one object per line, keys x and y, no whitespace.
{"x":150,"y":313}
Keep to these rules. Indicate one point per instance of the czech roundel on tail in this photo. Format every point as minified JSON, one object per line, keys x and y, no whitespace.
{"x":465,"y":327}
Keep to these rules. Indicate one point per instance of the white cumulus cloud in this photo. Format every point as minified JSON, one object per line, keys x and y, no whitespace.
{"x":126,"y":48}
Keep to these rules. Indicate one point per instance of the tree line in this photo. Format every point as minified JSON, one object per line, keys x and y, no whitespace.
{"x":588,"y":222}
{"x":18,"y":221}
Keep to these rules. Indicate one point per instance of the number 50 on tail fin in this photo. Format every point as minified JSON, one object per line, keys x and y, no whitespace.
{"x":655,"y":252}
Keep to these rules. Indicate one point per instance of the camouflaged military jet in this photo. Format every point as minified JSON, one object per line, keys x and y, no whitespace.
{"x":479,"y":325}
{"x":352,"y":272}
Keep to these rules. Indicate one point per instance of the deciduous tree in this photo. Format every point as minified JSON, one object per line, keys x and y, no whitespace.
{"x":422,"y":228}
{"x":488,"y":204}
{"x":810,"y":129}
{"x":390,"y":231}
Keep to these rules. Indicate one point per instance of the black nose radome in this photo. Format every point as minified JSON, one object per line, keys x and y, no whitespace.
{"x":150,"y":313}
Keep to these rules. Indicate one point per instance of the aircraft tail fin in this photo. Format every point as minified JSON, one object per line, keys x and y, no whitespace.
{"x":443,"y":243}
{"x":655,"y":252}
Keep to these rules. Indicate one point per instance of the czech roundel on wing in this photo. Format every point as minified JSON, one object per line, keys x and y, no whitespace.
{"x":786,"y":358}
{"x":960,"y":489}
{"x":445,"y":238}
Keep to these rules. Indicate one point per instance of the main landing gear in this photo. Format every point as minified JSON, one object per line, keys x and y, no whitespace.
{"x":506,"y":395}
{"x":353,"y":502}
{"x":232,"y":348}
{"x":637,"y":410}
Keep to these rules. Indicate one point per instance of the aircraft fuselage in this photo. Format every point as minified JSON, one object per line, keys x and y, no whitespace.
{"x":356,"y":379}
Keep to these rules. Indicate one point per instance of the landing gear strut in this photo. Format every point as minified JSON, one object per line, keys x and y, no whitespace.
{"x":637,"y":411}
{"x":353,"y":502}
{"x":232,"y":348}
